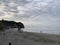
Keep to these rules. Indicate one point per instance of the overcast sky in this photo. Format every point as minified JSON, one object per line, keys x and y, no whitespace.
{"x":43,"y":14}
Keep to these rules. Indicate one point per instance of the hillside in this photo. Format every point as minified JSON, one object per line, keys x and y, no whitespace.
{"x":5,"y":24}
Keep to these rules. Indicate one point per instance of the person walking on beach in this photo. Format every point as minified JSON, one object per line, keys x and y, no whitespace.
{"x":10,"y":43}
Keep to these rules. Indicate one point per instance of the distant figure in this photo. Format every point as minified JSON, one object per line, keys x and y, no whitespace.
{"x":41,"y":31}
{"x":10,"y":43}
{"x":19,"y":29}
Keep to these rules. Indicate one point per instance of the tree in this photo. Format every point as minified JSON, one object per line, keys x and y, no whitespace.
{"x":5,"y":24}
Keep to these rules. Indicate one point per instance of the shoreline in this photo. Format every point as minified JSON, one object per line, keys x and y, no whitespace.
{"x":28,"y":38}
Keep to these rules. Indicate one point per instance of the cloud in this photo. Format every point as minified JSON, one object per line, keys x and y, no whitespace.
{"x":36,"y":13}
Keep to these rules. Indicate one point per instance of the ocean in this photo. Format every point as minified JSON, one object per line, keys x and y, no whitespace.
{"x":38,"y":30}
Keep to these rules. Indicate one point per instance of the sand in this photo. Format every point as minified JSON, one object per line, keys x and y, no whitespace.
{"x":28,"y":38}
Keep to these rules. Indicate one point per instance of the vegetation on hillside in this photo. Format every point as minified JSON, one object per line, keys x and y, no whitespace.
{"x":10,"y":24}
{"x":1,"y":26}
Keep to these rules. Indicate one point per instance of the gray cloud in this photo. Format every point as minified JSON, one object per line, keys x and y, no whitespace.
{"x":40,"y":12}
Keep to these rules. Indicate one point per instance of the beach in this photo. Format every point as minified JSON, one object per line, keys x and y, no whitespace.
{"x":28,"y":38}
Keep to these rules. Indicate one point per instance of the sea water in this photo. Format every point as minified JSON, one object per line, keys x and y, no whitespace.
{"x":38,"y":30}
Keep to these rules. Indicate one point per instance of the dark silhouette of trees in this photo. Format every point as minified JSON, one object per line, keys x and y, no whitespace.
{"x":12,"y":24}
